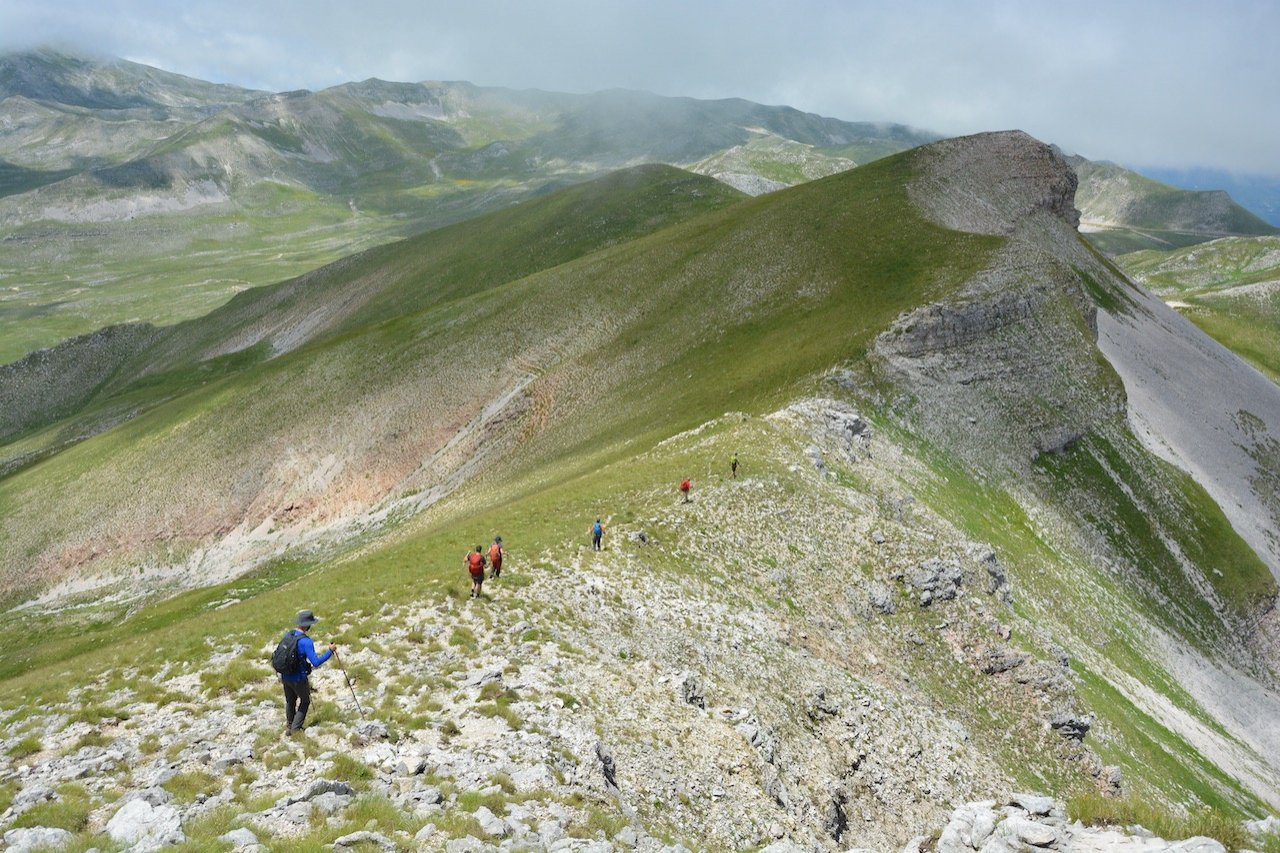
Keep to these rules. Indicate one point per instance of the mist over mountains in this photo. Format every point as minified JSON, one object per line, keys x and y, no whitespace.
{"x":169,"y":195}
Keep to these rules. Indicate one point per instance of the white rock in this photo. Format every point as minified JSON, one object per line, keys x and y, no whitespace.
{"x":364,"y":837}
{"x":533,"y":778}
{"x":1271,"y":823}
{"x":36,"y":838}
{"x":145,"y":827}
{"x":1032,"y":803}
{"x":492,"y":824}
{"x":239,"y":838}
{"x":1199,"y":844}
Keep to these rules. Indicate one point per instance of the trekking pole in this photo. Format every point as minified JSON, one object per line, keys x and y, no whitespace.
{"x":349,"y":684}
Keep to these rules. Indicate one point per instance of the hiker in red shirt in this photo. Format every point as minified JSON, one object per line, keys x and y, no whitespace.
{"x":685,"y":485}
{"x":496,"y":553}
{"x":475,"y":565}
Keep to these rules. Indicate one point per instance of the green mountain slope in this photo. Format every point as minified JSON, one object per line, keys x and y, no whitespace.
{"x":945,"y":556}
{"x":150,"y":197}
{"x":1123,"y":211}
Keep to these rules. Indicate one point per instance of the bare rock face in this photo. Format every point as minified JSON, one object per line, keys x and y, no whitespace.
{"x":1007,"y":367}
{"x":988,"y":183}
{"x":53,"y":382}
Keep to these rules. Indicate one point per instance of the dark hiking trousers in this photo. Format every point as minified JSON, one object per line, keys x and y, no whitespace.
{"x":297,"y":701}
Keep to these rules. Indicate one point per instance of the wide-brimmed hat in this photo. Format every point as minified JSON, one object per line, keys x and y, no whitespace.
{"x":305,"y":619}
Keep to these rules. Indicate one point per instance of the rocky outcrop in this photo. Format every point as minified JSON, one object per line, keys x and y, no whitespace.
{"x":988,"y":183}
{"x":1022,"y":823}
{"x":1005,"y":368}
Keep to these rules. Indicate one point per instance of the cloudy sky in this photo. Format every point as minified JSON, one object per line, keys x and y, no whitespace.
{"x":1170,"y":84}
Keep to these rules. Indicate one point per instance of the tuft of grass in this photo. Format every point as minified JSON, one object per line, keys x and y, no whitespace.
{"x":464,"y":638}
{"x":70,"y":811}
{"x":233,"y":677}
{"x":92,"y":739}
{"x":598,"y":822}
{"x":95,"y":714}
{"x":1093,"y":809}
{"x":348,"y":769}
{"x":29,"y":745}
{"x":203,"y":831}
{"x":469,"y":801}
{"x":193,"y":785}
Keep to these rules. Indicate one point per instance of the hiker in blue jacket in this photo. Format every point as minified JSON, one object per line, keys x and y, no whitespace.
{"x":297,"y":689}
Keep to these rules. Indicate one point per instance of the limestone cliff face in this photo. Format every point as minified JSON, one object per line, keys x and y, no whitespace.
{"x":989,"y":183}
{"x":1006,"y":368}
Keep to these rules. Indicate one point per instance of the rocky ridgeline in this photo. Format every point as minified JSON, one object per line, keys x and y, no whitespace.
{"x":705,"y":682}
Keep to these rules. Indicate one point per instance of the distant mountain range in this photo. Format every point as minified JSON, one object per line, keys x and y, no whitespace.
{"x":1123,"y":211}
{"x":130,"y":193}
{"x":1258,"y":193}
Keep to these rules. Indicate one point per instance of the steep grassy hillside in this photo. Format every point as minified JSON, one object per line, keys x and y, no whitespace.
{"x":1229,"y":287}
{"x":1123,"y":211}
{"x":946,"y":568}
{"x":582,"y":331}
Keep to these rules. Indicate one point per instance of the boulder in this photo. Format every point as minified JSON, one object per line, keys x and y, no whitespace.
{"x":1070,"y":726}
{"x":941,"y":579}
{"x":880,"y":597}
{"x":372,"y":730}
{"x":36,"y":838}
{"x":493,"y":826}
{"x":239,"y":838}
{"x":691,"y":690}
{"x":143,"y":827}
{"x":1033,"y":804}
{"x":364,"y":837}
{"x":996,"y":660}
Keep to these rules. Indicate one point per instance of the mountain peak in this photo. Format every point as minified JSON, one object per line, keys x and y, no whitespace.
{"x":989,"y":182}
{"x":83,"y":80}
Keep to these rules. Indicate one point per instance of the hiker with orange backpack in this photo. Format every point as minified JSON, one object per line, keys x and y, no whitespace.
{"x":685,"y":485}
{"x":475,"y":565}
{"x":496,"y":553}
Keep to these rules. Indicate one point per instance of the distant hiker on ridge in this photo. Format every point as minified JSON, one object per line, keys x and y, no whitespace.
{"x":496,"y":553}
{"x":294,"y":658}
{"x":475,"y":565}
{"x":597,"y":531}
{"x":685,"y":485}
{"x":733,"y":466}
